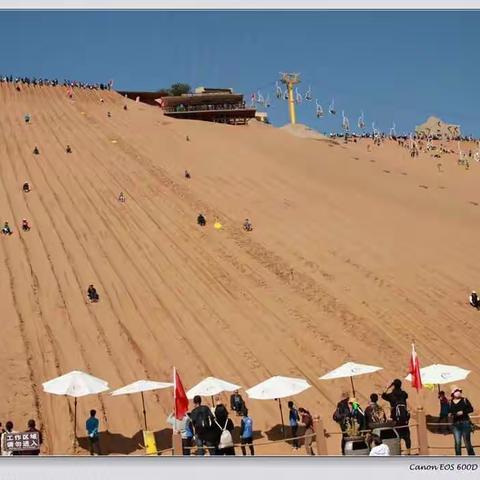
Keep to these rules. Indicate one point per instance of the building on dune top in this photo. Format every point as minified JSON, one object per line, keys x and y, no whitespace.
{"x":220,"y":105}
{"x":437,"y":129}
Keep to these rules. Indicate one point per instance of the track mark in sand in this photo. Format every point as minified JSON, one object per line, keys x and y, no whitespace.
{"x":356,"y":158}
{"x":387,"y":171}
{"x":441,"y":187}
{"x":423,"y":186}
{"x":474,"y":203}
{"x":403,"y":173}
{"x":373,"y":161}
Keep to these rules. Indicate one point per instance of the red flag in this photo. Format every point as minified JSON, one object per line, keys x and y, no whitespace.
{"x":415,"y":370}
{"x":181,"y":400}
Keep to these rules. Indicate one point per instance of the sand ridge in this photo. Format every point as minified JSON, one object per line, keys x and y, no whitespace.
{"x":350,"y":257}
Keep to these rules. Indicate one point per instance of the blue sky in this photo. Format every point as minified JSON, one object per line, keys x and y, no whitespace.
{"x":395,"y":66}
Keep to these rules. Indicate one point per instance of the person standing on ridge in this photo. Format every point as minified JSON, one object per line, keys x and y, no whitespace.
{"x":246,"y":432}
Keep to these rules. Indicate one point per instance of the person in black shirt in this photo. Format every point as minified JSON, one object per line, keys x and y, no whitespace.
{"x":202,"y":423}
{"x":399,"y":410}
{"x":460,"y":408}
{"x":342,"y":416}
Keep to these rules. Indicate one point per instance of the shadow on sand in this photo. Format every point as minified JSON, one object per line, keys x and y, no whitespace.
{"x":118,"y":444}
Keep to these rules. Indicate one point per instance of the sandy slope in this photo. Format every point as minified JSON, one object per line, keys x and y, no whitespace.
{"x":352,"y":256}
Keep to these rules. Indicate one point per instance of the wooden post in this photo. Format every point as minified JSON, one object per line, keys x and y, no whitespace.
{"x":320,"y":439}
{"x":177,"y":444}
{"x":422,"y":432}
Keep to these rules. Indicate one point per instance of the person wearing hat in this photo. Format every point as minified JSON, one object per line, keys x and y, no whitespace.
{"x":460,"y":408}
{"x":474,"y":301}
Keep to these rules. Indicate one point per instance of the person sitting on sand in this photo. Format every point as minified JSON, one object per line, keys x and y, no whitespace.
{"x":121,"y":197}
{"x":247,"y":226}
{"x":27,"y":118}
{"x":201,"y":220}
{"x":68,"y":149}
{"x":474,"y":300}
{"x":6,"y":230}
{"x":92,"y":294}
{"x":26,"y":187}
{"x":109,"y":114}
{"x":25,"y":225}
{"x":36,"y":151}
{"x":187,"y":174}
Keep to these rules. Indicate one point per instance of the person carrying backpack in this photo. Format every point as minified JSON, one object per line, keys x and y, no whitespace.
{"x":202,"y":424}
{"x":293,"y":418}
{"x":399,"y":410}
{"x":224,"y":427}
{"x":374,"y":413}
{"x":342,"y":416}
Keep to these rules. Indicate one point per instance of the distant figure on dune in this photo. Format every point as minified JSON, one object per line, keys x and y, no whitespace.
{"x":92,"y":294}
{"x":187,"y":174}
{"x":101,"y":100}
{"x":25,"y":225}
{"x":26,"y":187}
{"x":68,"y":149}
{"x":125,"y":107}
{"x":247,"y":226}
{"x":188,"y":138}
{"x":474,"y":301}
{"x":109,"y":114}
{"x":121,"y":198}
{"x":36,"y":151}
{"x":27,"y":118}
{"x":17,"y":88}
{"x":6,"y":230}
{"x":201,"y":220}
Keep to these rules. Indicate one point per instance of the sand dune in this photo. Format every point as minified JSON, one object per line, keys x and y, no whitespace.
{"x":353,"y":254}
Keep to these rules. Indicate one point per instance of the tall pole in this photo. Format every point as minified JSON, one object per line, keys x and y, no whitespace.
{"x":281,"y":417}
{"x":290,"y":80}
{"x":144,"y":412}
{"x":291,"y":103}
{"x":75,"y":427}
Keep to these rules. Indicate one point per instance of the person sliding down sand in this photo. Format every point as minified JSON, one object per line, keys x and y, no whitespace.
{"x":26,"y":187}
{"x":92,"y":294}
{"x":6,"y":230}
{"x":474,"y":300}
{"x":36,"y":151}
{"x":25,"y":225}
{"x":27,"y":118}
{"x":247,"y":226}
{"x":187,"y":174}
{"x":68,"y":149}
{"x":121,"y":197}
{"x":201,"y":220}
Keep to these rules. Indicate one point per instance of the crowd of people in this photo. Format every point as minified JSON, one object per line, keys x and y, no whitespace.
{"x":9,"y":428}
{"x":454,"y":416}
{"x":53,"y":82}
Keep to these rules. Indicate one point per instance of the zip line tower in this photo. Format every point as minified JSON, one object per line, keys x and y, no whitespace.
{"x":290,"y":79}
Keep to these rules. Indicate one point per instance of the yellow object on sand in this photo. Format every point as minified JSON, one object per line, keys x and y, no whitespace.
{"x":217,"y":225}
{"x":429,"y":386}
{"x":150,"y":443}
{"x":113,"y":141}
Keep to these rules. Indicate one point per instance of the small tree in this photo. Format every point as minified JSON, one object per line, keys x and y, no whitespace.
{"x":178,"y":89}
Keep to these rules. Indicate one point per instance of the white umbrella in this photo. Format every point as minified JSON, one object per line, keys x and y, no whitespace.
{"x":276,"y":388}
{"x":75,"y":384}
{"x":211,"y":386}
{"x":350,"y":369}
{"x":141,"y":386}
{"x":438,"y":374}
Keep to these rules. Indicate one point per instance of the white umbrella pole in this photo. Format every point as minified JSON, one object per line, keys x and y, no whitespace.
{"x":75,"y":426}
{"x":144,"y":412}
{"x":353,"y":386}
{"x":281,"y":417}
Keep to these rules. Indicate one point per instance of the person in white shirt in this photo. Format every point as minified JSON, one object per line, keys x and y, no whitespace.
{"x":379,"y":449}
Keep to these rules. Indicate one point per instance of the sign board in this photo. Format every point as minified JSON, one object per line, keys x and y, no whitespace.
{"x":22,"y":441}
